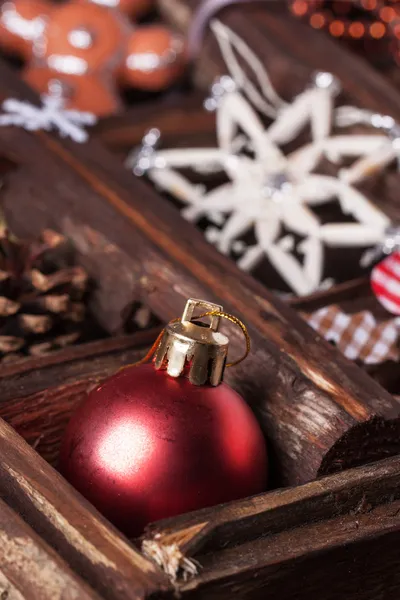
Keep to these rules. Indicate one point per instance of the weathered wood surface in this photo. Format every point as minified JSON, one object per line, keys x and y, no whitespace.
{"x":333,"y":538}
{"x":347,"y":291}
{"x":38,"y":395}
{"x":85,"y":540}
{"x":30,"y":569}
{"x":182,"y":120}
{"x":137,"y":247}
{"x":342,"y":558}
{"x":95,"y":359}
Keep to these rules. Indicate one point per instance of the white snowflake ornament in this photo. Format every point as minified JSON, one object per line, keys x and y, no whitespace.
{"x":269,"y":191}
{"x":51,"y":115}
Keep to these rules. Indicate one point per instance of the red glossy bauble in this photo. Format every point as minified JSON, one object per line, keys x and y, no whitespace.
{"x":144,"y":446}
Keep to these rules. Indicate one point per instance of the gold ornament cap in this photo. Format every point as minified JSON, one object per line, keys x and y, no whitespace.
{"x":194,"y":348}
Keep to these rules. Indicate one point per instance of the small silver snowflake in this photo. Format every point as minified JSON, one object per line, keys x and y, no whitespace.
{"x":51,"y":115}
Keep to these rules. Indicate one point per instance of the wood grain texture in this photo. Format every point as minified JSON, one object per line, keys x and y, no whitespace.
{"x":33,"y":374}
{"x":332,"y":538}
{"x":38,"y":395}
{"x":223,"y":527}
{"x":347,"y":291}
{"x":30,"y":569}
{"x":182,"y":120}
{"x":342,"y":558}
{"x":317,"y":409}
{"x":91,"y":546}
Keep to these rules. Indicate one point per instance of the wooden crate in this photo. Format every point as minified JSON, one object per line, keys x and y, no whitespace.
{"x":332,"y":530}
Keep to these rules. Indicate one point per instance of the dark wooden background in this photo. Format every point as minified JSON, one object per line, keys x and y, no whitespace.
{"x":330,"y":538}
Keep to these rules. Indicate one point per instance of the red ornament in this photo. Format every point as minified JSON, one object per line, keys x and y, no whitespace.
{"x":385,"y":283}
{"x":145,"y":445}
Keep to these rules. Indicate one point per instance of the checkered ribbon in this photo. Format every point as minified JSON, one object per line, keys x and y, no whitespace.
{"x":359,"y":336}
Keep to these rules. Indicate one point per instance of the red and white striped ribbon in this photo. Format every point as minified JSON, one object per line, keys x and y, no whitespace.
{"x":385,"y":283}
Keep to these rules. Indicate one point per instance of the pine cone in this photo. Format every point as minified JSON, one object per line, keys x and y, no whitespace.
{"x":42,"y":295}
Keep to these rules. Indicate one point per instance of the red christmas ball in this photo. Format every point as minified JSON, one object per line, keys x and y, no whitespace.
{"x":145,"y":446}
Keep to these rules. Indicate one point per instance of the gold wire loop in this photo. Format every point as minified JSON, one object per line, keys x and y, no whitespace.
{"x":235,"y":321}
{"x":214,"y":313}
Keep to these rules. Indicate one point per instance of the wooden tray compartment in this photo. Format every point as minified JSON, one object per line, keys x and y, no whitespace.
{"x":318,"y":540}
{"x":321,"y":414}
{"x":125,"y":235}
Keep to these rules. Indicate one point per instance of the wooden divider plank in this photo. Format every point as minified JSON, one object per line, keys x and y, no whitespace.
{"x":336,"y":537}
{"x":84,"y":539}
{"x":30,"y":569}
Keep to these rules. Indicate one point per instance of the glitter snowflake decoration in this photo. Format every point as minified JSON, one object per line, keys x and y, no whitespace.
{"x":51,"y":115}
{"x":267,"y":190}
